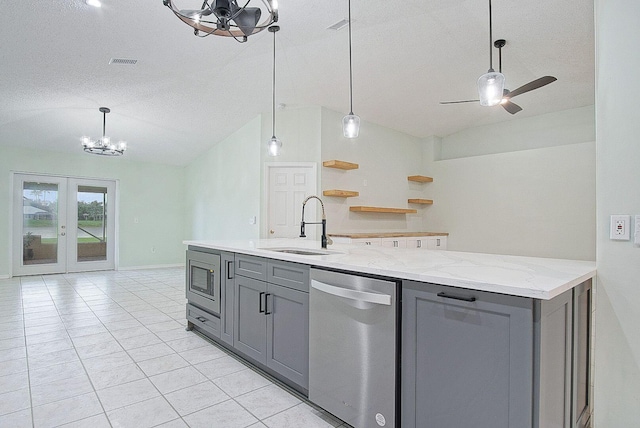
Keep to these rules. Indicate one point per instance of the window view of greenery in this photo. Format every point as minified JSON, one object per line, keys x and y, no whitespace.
{"x":40,"y":223}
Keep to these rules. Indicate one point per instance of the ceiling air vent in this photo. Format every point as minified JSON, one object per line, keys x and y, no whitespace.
{"x":339,"y":25}
{"x":123,"y":61}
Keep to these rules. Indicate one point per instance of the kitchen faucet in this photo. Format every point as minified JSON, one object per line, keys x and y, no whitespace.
{"x":325,"y":241}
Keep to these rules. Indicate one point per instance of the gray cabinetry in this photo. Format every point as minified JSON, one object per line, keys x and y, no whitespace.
{"x":227,"y":299}
{"x":466,"y":358}
{"x":271,"y":320}
{"x":582,"y":307}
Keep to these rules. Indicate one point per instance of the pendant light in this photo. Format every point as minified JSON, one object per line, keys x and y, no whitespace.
{"x":491,"y":84}
{"x":274,"y":144}
{"x":351,"y":122}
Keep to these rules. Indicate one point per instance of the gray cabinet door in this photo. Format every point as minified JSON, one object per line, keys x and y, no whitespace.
{"x":466,"y":358}
{"x":227,"y":297}
{"x":249,"y":323}
{"x":288,"y":333}
{"x":582,"y":308}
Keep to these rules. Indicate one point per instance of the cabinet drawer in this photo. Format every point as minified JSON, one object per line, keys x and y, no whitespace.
{"x":251,"y":267}
{"x":203,"y":320}
{"x":291,"y":275}
{"x":398,"y":242}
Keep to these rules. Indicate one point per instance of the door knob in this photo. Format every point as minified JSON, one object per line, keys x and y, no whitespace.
{"x":272,"y":231}
{"x":62,"y":234}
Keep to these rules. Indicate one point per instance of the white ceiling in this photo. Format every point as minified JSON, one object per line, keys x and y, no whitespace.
{"x":187,"y":93}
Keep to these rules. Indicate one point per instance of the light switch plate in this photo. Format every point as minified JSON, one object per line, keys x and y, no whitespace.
{"x":620,"y":227}
{"x":636,"y":239}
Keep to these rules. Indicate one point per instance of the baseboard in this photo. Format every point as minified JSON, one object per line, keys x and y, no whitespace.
{"x":5,"y":276}
{"x":152,"y":267}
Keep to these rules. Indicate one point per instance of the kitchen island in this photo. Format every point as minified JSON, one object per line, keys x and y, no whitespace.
{"x":485,"y":340}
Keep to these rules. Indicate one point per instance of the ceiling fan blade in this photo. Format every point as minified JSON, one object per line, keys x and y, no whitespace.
{"x":534,"y":84}
{"x":510,"y":107}
{"x":247,"y":19}
{"x":459,"y":102}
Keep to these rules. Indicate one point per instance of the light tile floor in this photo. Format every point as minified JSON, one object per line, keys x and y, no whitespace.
{"x":109,"y":349}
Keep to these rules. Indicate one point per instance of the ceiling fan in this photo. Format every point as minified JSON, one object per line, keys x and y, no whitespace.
{"x":491,"y":84}
{"x":505,"y":101}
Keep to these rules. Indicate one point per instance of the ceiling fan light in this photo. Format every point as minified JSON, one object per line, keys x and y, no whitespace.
{"x":491,"y":88}
{"x":351,"y":125}
{"x":273,"y":146}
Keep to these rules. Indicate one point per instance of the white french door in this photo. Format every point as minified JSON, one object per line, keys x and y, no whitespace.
{"x":62,"y":224}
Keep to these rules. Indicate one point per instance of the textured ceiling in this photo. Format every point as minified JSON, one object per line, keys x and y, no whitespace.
{"x":187,"y":93}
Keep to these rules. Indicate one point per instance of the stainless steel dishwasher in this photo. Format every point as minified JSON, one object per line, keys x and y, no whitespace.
{"x":352,"y":347}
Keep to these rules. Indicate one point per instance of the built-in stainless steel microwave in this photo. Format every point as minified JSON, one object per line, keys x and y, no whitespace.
{"x":203,"y":280}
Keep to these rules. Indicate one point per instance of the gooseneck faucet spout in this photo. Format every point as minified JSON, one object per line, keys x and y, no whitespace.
{"x":323,"y":222}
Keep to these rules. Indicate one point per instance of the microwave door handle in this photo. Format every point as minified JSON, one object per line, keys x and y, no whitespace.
{"x":361,"y":296}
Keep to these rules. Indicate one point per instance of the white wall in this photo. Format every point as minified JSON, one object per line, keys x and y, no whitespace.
{"x":617,"y":357}
{"x":385,"y":158}
{"x":222,"y":188}
{"x":150,"y":192}
{"x":538,"y":202}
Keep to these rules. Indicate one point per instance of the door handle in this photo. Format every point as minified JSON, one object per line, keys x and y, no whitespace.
{"x":272,"y":231}
{"x":266,"y":304}
{"x":347,"y":293}
{"x":62,"y":234}
{"x":456,"y":297}
{"x":229,"y":265}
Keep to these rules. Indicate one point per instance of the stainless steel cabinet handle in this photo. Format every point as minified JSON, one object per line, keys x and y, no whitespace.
{"x":419,"y":243}
{"x":201,"y":319}
{"x":361,"y":296}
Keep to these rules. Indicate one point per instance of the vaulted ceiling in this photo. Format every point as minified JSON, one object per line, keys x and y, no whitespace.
{"x":186,"y":93}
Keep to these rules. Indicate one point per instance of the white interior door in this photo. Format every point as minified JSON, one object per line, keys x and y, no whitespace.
{"x":288,"y":184}
{"x":62,"y":224}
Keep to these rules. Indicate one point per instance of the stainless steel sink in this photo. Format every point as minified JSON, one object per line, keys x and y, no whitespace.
{"x":302,"y":251}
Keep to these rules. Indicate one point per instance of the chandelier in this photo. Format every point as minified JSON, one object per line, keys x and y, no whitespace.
{"x":226,"y":18}
{"x":103,"y":146}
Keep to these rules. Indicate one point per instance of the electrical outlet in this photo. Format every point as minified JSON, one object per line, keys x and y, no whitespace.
{"x":620,"y":225}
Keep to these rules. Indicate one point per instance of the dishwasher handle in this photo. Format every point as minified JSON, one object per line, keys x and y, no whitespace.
{"x":347,"y":293}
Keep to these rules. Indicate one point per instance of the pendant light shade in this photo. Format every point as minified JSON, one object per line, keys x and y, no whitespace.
{"x":351,"y":125}
{"x":491,"y":88}
{"x":491,"y":84}
{"x":274,"y":144}
{"x":351,"y":122}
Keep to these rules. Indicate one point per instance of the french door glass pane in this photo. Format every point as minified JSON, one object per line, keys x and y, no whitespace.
{"x":92,"y":223}
{"x":39,"y":223}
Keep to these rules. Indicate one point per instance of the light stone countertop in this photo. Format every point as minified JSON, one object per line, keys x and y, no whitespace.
{"x":538,"y":278}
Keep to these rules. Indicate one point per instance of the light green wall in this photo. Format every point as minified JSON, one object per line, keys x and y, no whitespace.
{"x":617,"y":315}
{"x":222,"y":188}
{"x":149,"y":192}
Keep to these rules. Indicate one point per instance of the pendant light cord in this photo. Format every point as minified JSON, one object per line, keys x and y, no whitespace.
{"x":104,"y":123}
{"x":273,"y":106}
{"x":350,"y":66}
{"x":490,"y":40}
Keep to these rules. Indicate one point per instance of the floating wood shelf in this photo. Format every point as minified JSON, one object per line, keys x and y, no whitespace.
{"x":340,"y":193}
{"x":340,"y":164}
{"x":421,"y":201}
{"x":360,"y":209}
{"x":420,"y":178}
